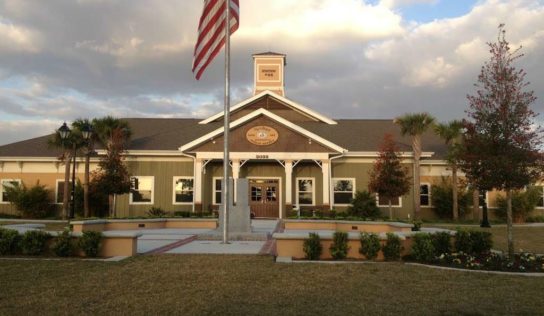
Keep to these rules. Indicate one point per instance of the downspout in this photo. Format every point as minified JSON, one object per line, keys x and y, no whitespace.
{"x":331,"y":191}
{"x":194,"y":176}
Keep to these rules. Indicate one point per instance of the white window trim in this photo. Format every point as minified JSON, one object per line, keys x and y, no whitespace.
{"x":297,"y":191}
{"x":387,"y":205}
{"x":174,"y":190}
{"x":429,"y":195}
{"x":352,"y":193}
{"x":152,"y":192}
{"x":57,"y":190}
{"x":2,"y":188}
{"x":214,"y":191}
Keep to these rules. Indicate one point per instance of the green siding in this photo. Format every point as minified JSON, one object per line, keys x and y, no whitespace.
{"x":164,"y":173}
{"x":361,"y":171}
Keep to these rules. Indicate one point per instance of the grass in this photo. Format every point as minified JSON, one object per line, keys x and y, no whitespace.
{"x":526,"y":238}
{"x":255,"y":285}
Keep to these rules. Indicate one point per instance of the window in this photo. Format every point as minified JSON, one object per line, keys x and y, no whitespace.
{"x":183,"y":190}
{"x":425,"y":194}
{"x":217,"y":190}
{"x":305,"y":191}
{"x":541,"y":200}
{"x":383,"y":202}
{"x":343,"y":190}
{"x":141,"y":190}
{"x":59,"y":191}
{"x":7,"y":183}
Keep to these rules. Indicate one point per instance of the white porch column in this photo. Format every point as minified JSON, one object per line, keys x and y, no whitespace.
{"x":288,"y":184}
{"x":326,"y":182}
{"x":197,"y":187}
{"x":235,"y":175}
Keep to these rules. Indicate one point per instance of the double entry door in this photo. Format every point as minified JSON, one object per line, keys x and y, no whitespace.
{"x":264,"y":197}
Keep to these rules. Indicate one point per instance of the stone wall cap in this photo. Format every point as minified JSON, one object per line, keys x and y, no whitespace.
{"x":395,"y":224}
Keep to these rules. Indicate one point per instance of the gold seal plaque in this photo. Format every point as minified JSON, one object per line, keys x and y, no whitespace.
{"x":262,"y":135}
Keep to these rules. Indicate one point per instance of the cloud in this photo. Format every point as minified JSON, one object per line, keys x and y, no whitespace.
{"x":60,"y":60}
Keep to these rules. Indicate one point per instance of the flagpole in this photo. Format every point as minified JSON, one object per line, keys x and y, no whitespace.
{"x":226,"y":159}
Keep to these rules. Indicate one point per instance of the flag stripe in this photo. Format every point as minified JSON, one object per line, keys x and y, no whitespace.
{"x":211,"y":32}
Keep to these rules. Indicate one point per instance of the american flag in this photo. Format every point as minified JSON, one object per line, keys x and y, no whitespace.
{"x":211,"y":32}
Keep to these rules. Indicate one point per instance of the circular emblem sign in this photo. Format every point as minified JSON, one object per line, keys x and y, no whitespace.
{"x":262,"y":135}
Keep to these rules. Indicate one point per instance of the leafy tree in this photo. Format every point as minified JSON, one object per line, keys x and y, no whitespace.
{"x":443,"y":199}
{"x":451,"y":134}
{"x":33,"y":202}
{"x":364,"y":205}
{"x":415,"y":125}
{"x":388,"y":178}
{"x":502,"y":140}
{"x":112,"y":175}
{"x":523,"y":203}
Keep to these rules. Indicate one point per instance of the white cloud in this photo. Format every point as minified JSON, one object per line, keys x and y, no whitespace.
{"x":399,"y":3}
{"x":17,"y":38}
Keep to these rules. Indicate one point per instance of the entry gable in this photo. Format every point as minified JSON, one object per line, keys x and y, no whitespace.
{"x":275,"y":102}
{"x":263,"y":131}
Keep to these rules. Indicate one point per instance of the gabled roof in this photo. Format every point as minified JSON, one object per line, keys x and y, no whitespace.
{"x":254,"y":114}
{"x":297,"y":107}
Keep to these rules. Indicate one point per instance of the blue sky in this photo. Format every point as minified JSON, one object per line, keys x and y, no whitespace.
{"x":346,"y":58}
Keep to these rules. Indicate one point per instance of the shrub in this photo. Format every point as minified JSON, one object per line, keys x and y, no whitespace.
{"x":535,"y":219}
{"x":34,"y":242}
{"x":156,"y":212}
{"x":423,"y":248}
{"x":9,"y":241}
{"x":339,"y":248}
{"x":32,"y":203}
{"x":523,"y":203}
{"x":370,"y":245}
{"x":312,"y":247}
{"x":364,"y":205}
{"x":89,"y":242}
{"x":441,"y":243}
{"x":391,"y":249}
{"x":481,"y":242}
{"x":63,"y":246}
{"x":442,"y":199}
{"x":417,"y":226}
{"x":184,"y":214}
{"x":462,"y":241}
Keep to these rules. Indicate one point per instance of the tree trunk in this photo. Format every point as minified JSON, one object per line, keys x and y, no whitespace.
{"x":476,"y":205}
{"x":509,"y":223}
{"x":454,"y":193}
{"x":390,"y":210}
{"x":416,"y":146}
{"x":86,"y":212}
{"x":66,"y":189}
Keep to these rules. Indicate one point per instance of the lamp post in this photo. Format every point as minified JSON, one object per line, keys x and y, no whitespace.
{"x":86,"y":132}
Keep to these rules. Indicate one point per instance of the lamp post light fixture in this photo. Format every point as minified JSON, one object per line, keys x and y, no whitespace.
{"x":64,"y":132}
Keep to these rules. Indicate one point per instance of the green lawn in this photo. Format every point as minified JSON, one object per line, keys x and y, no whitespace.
{"x":526,"y":238}
{"x":255,"y":285}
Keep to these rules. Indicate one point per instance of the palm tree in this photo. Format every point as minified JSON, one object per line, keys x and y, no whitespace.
{"x":72,"y":143}
{"x":415,"y":125}
{"x":451,"y":133}
{"x":88,"y":147}
{"x":114,"y":134}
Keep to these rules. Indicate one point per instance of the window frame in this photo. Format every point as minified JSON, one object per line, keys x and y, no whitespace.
{"x":176,"y":178}
{"x":354,"y":190}
{"x":387,"y":205}
{"x":428,"y":194}
{"x":2,"y":188}
{"x":297,"y":191}
{"x":57,"y":190}
{"x":541,"y":197}
{"x":130,"y":198}
{"x":214,"y":189}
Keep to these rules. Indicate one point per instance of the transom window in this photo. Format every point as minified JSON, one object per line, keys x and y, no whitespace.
{"x":183,"y":190}
{"x":343,"y":190}
{"x":141,"y":189}
{"x":305,"y":191}
{"x":425,"y":194}
{"x":7,"y":183}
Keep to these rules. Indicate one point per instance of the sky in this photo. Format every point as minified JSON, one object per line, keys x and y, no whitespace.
{"x":67,"y":59}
